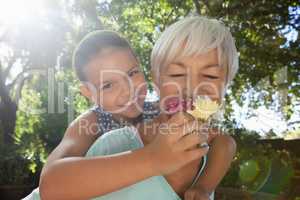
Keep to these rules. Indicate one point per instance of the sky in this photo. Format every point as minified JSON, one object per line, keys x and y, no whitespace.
{"x":267,"y":119}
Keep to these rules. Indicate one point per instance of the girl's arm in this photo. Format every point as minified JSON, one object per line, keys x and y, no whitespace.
{"x":84,"y":178}
{"x":220,"y":156}
{"x":67,"y":172}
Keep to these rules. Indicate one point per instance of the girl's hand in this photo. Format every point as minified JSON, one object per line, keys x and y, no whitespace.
{"x":196,"y":193}
{"x":175,"y":145}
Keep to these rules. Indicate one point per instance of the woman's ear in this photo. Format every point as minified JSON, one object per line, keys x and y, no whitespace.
{"x":86,"y":92}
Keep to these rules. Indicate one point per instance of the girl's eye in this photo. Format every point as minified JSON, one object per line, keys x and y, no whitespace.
{"x":106,"y":86}
{"x":133,"y":72}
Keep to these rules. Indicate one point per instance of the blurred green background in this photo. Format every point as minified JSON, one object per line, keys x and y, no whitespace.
{"x":39,"y":94}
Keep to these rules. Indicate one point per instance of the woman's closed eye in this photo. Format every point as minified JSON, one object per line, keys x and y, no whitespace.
{"x":211,"y":76}
{"x":177,"y":75}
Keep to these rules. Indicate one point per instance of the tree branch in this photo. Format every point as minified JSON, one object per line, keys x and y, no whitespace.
{"x":91,"y":13}
{"x":170,"y":14}
{"x":21,"y":74}
{"x":294,"y":26}
{"x":152,"y":10}
{"x":185,"y":14}
{"x":3,"y":90}
{"x":19,"y":89}
{"x":10,"y":64}
{"x":149,"y":37}
{"x":294,"y":122}
{"x":197,"y":5}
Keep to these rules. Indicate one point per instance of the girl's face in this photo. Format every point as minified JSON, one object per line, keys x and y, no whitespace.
{"x":116,"y":83}
{"x":192,"y":76}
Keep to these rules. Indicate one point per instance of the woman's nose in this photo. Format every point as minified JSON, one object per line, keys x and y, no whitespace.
{"x":198,"y":86}
{"x":193,"y":85}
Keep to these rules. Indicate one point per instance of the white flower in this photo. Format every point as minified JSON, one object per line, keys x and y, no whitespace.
{"x":204,"y":107}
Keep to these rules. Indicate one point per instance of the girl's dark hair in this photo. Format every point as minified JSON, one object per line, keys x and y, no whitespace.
{"x":92,"y":44}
